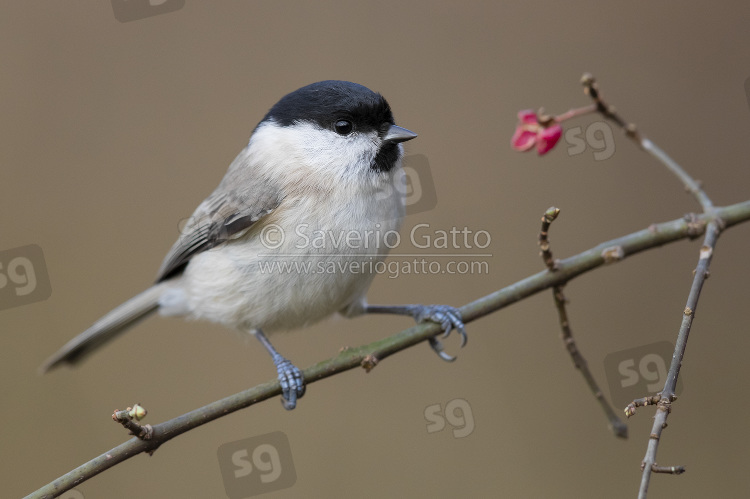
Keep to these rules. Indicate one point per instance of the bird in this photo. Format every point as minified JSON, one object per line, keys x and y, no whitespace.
{"x":324,"y":161}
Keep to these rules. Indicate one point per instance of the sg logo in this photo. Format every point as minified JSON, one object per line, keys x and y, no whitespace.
{"x":639,"y":372}
{"x":457,"y":412}
{"x":133,"y":10}
{"x":598,"y":136}
{"x":23,"y":276}
{"x":413,"y":184}
{"x":72,"y":494}
{"x":256,"y":465}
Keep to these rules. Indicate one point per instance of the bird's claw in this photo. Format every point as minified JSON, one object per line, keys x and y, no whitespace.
{"x":449,"y":319}
{"x":438,"y":347}
{"x":292,"y":382}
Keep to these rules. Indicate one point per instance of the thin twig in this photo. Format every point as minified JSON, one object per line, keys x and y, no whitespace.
{"x":714,"y":228}
{"x":642,"y":402}
{"x":549,"y":216}
{"x":691,"y":185}
{"x":126,"y":417}
{"x":664,"y":406}
{"x":671,"y":470}
{"x":619,"y":428}
{"x":350,"y":358}
{"x":591,"y":88}
{"x":547,"y":120}
{"x":574,"y":113}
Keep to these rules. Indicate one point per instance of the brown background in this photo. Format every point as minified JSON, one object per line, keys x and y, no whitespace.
{"x":113,"y":132}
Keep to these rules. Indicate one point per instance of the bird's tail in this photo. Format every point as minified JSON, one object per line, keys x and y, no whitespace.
{"x":108,"y":327}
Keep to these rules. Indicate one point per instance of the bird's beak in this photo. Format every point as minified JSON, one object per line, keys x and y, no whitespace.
{"x":398,"y":134}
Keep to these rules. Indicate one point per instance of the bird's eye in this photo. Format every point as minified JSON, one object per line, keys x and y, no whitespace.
{"x":343,"y":127}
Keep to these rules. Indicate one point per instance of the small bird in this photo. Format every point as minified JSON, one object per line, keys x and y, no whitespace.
{"x":321,"y":166}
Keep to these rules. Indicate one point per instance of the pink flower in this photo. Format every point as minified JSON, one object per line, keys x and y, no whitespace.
{"x":530,"y":132}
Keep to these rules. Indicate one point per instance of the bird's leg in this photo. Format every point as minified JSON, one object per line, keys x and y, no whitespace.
{"x":290,"y":377}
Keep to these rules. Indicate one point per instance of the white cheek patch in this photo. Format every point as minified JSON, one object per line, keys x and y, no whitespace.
{"x":317,"y":151}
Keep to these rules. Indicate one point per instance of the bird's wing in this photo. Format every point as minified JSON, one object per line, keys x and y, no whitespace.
{"x":243,"y":197}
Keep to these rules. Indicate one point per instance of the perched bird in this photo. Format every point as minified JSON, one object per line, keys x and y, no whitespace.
{"x":256,"y":255}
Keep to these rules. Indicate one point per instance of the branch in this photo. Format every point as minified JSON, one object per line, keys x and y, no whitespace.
{"x":692,"y":186}
{"x":619,"y":428}
{"x":350,"y":358}
{"x":715,"y":226}
{"x":664,"y":406}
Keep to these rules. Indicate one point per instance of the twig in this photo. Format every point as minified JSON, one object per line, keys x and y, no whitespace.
{"x":569,"y":268}
{"x":547,"y":120}
{"x":574,"y":113}
{"x":714,"y":228}
{"x":126,"y":418}
{"x":642,"y":402}
{"x":664,"y":406}
{"x":671,"y":470}
{"x":692,"y":186}
{"x":619,"y":428}
{"x":549,"y":216}
{"x":591,"y":88}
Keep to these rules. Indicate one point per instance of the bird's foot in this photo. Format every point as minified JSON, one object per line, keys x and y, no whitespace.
{"x":291,"y":380}
{"x":449,"y":319}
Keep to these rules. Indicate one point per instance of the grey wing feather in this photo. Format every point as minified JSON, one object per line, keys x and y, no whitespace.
{"x":242,"y":198}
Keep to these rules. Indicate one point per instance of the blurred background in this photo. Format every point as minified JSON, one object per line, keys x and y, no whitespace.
{"x":112,"y":132}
